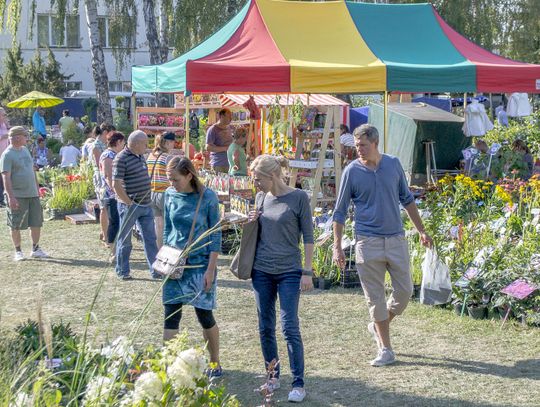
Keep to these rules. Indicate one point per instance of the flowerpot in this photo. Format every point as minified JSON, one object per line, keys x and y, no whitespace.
{"x":458,"y":308}
{"x":416,"y":291}
{"x":478,"y":311}
{"x":315,"y":282}
{"x":349,"y":279}
{"x":503,"y":311}
{"x":325,"y":283}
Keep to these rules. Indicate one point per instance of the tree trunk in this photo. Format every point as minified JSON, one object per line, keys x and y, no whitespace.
{"x":151,"y":31}
{"x":163,"y":32}
{"x":101,"y":80}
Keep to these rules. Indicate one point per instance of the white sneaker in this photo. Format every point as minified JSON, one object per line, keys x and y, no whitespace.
{"x":19,"y":256}
{"x":297,"y":395}
{"x":384,"y":357}
{"x":269,"y":387}
{"x":371,"y":329}
{"x":39,"y":254}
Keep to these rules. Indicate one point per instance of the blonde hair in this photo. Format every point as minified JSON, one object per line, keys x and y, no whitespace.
{"x":160,"y":145}
{"x":269,"y":165}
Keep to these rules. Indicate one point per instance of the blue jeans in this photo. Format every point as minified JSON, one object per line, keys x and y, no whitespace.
{"x":143,"y":216}
{"x":267,"y":287}
{"x":111,"y":205}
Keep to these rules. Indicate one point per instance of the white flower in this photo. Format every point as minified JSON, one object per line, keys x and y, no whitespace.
{"x":148,"y":387}
{"x":188,"y":366}
{"x":120,"y":349}
{"x":22,"y":400}
{"x":98,"y":390}
{"x":454,"y":232}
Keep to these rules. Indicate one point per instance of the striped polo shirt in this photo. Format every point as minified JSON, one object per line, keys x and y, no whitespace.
{"x":131,"y":169}
{"x":159,"y":182}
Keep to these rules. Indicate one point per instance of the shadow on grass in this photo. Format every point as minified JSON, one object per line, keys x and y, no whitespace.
{"x":326,"y":391}
{"x":523,"y":369}
{"x":134,"y":265}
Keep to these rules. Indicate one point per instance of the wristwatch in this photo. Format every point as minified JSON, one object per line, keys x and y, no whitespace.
{"x":307,"y":272}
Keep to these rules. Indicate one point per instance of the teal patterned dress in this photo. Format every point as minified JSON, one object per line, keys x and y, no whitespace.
{"x":179,"y":210}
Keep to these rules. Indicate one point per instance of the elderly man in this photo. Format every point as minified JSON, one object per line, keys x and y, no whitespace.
{"x":131,"y":184}
{"x":376,"y":184}
{"x":218,"y":139}
{"x":20,"y":183}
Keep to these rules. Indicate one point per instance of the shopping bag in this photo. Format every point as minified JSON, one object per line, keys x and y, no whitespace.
{"x":242,"y":263}
{"x":436,"y":285}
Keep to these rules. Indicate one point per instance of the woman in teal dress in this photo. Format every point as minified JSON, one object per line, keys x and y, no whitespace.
{"x":197,"y":286}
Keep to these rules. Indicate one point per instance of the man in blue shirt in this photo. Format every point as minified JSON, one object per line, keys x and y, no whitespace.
{"x":377,"y":186}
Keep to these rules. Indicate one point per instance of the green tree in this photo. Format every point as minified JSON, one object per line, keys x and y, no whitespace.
{"x":19,"y":78}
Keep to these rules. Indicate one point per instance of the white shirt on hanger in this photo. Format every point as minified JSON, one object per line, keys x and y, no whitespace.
{"x":477,"y":122}
{"x":519,"y":105}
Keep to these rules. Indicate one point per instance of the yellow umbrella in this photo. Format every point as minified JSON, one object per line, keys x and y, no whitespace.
{"x":35,"y":99}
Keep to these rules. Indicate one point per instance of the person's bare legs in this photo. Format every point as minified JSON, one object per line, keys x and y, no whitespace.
{"x":169,"y":334}
{"x":383,"y":330}
{"x":211,"y":336}
{"x":104,"y":222}
{"x":159,"y":230}
{"x":16,"y":237}
{"x":35,"y":233}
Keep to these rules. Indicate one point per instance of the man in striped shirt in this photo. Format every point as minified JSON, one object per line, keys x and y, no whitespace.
{"x":132,"y":188}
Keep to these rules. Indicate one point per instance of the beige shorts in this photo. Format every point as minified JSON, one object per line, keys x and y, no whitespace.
{"x":374,"y":257}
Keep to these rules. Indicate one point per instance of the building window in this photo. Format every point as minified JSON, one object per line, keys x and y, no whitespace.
{"x":105,"y":35}
{"x":73,"y":86}
{"x":115,"y":86}
{"x":50,"y":33}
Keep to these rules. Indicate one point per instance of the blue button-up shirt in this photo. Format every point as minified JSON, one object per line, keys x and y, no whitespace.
{"x":376,"y":195}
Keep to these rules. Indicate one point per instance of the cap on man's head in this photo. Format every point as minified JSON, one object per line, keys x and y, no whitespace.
{"x":169,"y":136}
{"x":18,"y":131}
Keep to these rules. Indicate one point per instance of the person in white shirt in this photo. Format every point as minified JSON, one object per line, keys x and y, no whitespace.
{"x":70,"y":155}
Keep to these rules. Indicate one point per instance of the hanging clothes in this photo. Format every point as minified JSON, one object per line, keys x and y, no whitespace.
{"x":502,"y":116}
{"x":519,"y":105}
{"x":477,"y":122}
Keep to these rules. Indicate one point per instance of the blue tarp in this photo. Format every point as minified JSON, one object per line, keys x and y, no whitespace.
{"x":359,"y":115}
{"x":443,"y":104}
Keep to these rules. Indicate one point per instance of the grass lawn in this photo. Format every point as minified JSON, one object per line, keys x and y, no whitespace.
{"x":444,"y":360}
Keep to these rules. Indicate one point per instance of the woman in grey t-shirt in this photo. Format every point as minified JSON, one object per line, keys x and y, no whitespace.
{"x":284,"y":215}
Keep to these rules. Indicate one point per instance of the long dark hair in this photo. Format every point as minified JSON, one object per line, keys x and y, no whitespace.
{"x":184,"y":166}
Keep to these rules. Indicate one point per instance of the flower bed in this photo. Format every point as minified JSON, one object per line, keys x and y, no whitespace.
{"x":489,"y":234}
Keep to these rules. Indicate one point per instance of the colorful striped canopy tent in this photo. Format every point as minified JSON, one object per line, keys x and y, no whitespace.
{"x":275,"y":46}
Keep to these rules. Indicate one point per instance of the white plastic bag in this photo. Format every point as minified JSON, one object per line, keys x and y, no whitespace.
{"x":436,"y":285}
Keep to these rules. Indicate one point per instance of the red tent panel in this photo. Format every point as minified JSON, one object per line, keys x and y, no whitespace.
{"x":493,"y":72}
{"x":249,"y":60}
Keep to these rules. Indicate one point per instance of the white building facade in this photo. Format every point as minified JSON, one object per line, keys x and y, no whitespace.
{"x":73,"y":52}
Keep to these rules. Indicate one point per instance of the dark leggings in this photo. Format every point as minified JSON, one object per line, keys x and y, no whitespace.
{"x":173,"y":314}
{"x":114,"y":219}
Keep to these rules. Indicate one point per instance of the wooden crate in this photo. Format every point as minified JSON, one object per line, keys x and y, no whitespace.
{"x":80,"y":219}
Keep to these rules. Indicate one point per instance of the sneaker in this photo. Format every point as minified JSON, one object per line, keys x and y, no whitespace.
{"x":214,"y":372}
{"x":384,"y":357}
{"x":19,"y":256}
{"x":125,"y":278}
{"x":269,"y":387}
{"x":297,"y":395}
{"x":373,"y":331}
{"x":39,"y":254}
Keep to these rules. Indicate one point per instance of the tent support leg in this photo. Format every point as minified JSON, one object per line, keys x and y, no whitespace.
{"x":385,"y":121}
{"x":133,"y":110}
{"x":186,"y":124}
{"x":464,"y":102}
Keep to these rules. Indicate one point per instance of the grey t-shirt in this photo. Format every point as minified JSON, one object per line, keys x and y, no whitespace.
{"x":19,"y":163}
{"x":282,"y":221}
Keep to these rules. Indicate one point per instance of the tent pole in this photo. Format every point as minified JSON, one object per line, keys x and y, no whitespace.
{"x":186,"y":125}
{"x":385,"y":121}
{"x":134,"y":110}
{"x":491,"y":106}
{"x":464,"y":102}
